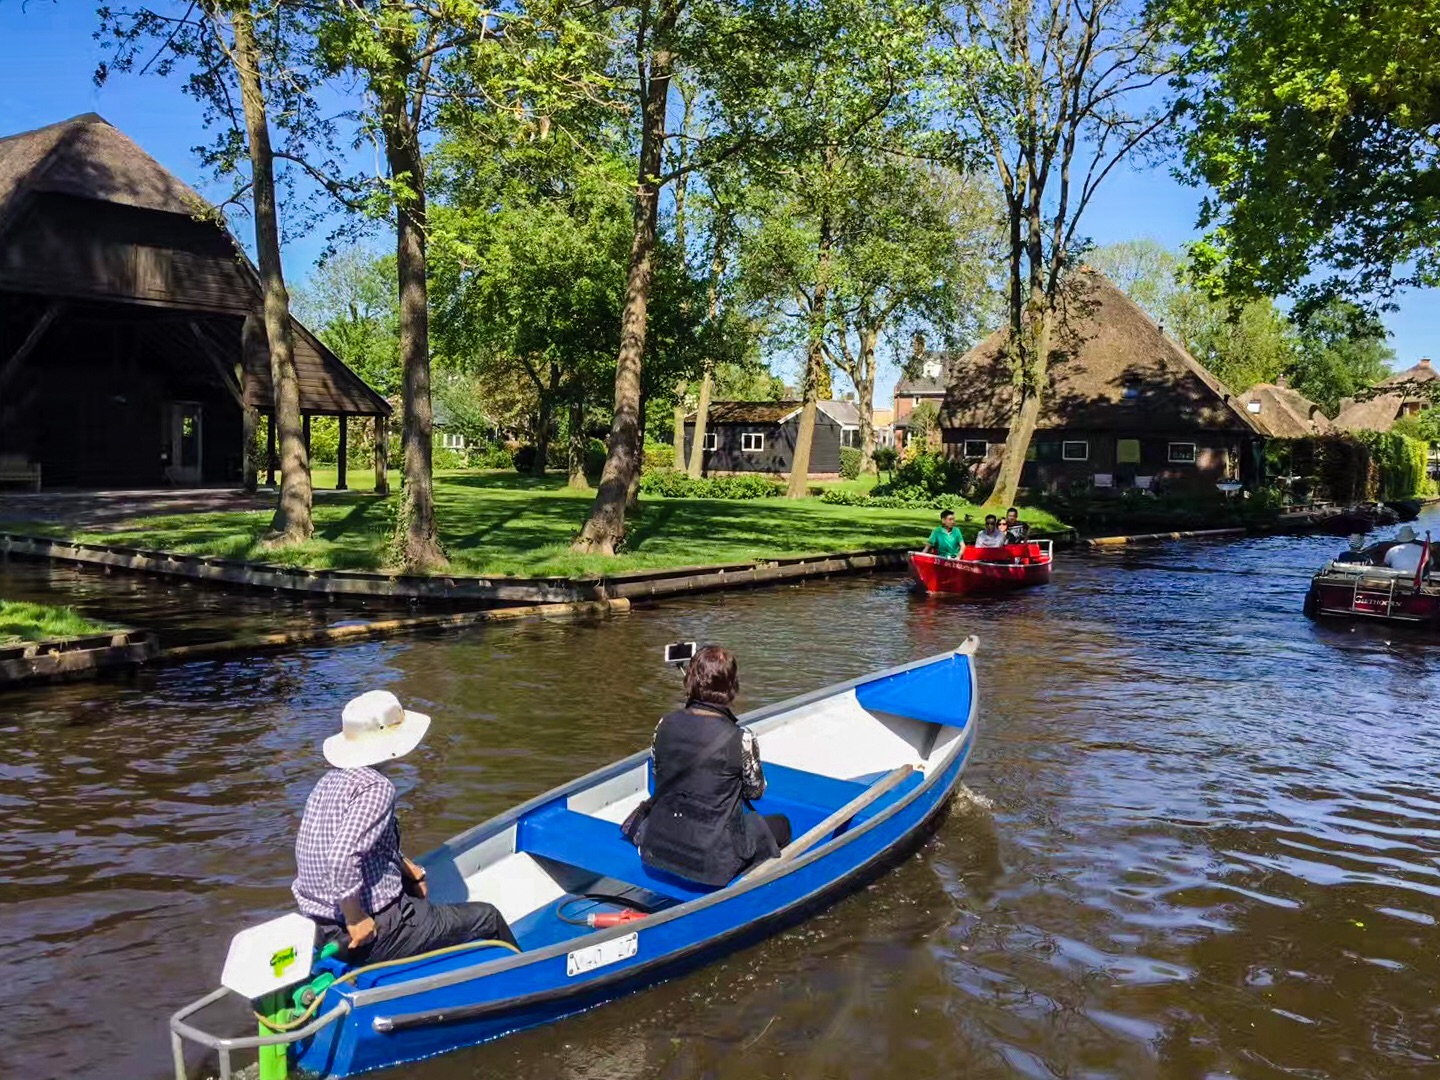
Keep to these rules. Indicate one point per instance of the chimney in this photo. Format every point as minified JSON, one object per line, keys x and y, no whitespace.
{"x":1425,"y":362}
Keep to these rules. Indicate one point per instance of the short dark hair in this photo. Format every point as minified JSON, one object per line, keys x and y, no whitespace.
{"x":713,"y":678}
{"x":946,"y":513}
{"x":991,"y":517}
{"x":1012,"y":510}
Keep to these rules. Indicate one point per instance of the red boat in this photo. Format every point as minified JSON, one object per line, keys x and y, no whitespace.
{"x":977,"y":570}
{"x":1358,"y":585}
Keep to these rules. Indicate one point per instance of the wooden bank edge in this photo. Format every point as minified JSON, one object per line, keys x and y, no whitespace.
{"x":1156,"y":538}
{"x":387,"y":628}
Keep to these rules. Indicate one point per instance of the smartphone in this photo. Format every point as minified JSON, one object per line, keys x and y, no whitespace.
{"x":678,"y":652}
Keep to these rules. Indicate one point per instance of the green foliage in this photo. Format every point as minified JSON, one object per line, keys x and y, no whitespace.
{"x":523,"y":458}
{"x":658,"y":457}
{"x":20,"y":621}
{"x":678,"y":485}
{"x":1342,"y":351}
{"x":1313,"y":122}
{"x":1253,"y":344}
{"x":1400,"y":462}
{"x":445,"y":458}
{"x":923,"y":421}
{"x":350,"y":301}
{"x":849,"y":463}
{"x":491,"y":455}
{"x":594,"y":460}
{"x":914,"y":498}
{"x":885,"y":458}
{"x":926,"y":475}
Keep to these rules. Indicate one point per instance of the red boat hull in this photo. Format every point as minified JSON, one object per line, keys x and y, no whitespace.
{"x":981,"y":570}
{"x":1343,"y":600}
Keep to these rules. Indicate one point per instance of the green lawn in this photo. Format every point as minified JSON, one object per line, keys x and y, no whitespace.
{"x":500,"y":523}
{"x":20,"y":622}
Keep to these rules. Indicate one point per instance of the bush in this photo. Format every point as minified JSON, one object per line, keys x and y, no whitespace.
{"x":491,"y":456}
{"x":926,"y":475}
{"x":907,"y":499}
{"x":1401,"y":463}
{"x":885,"y":458}
{"x":657,"y":456}
{"x":672,"y":484}
{"x":444,"y":458}
{"x":849,"y":463}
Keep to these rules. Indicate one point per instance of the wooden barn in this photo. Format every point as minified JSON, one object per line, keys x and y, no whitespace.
{"x":759,"y":436}
{"x":132,"y":353}
{"x":1127,"y":407}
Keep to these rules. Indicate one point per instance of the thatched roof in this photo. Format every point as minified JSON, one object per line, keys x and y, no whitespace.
{"x":1282,"y":413}
{"x":1110,"y":367}
{"x":1423,"y":372}
{"x":85,"y":156}
{"x":844,"y":413}
{"x":1377,"y":414}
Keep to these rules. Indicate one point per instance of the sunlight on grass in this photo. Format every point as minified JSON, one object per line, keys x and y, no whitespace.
{"x":499,"y":523}
{"x":21,"y":622}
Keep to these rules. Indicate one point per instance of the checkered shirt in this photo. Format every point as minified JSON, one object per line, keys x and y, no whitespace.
{"x":348,"y":845}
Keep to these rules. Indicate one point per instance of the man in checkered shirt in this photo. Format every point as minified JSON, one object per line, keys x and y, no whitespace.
{"x":351,"y":876}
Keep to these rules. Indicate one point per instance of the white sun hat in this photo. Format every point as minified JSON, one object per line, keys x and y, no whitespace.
{"x":374,"y":728}
{"x":1406,"y":535}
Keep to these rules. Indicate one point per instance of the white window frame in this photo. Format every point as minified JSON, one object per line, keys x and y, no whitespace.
{"x":752,"y":442}
{"x":968,"y":443}
{"x":451,"y":441}
{"x":852,"y":434}
{"x":1191,"y":460}
{"x":1066,"y":444}
{"x":711,"y":441}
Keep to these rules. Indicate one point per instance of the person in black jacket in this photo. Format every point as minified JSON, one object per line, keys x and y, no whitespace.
{"x":698,"y":824}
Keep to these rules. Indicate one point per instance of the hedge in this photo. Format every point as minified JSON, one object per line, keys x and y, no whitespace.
{"x":673,"y":484}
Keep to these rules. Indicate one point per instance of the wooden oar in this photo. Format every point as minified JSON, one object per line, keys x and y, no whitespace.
{"x":805,"y":841}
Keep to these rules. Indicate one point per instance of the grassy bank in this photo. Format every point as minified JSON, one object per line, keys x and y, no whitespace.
{"x":497,"y":523}
{"x":21,"y":622}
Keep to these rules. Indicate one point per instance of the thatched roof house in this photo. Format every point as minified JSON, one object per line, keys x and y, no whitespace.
{"x":1280,"y":412}
{"x":1125,"y":405}
{"x":124,"y":352}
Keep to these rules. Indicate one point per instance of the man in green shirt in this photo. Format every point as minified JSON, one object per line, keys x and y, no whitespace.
{"x":946,"y":540}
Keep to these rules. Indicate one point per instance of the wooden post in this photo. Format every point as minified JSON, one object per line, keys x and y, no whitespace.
{"x":305,"y":433}
{"x":248,"y":465}
{"x":382,"y":467}
{"x":344,"y":452}
{"x":270,"y":449}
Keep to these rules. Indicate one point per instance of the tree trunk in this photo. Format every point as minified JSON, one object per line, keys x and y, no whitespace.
{"x":815,"y":373}
{"x":702,"y":412}
{"x":864,"y":379}
{"x":1034,"y":346}
{"x":578,"y":445}
{"x":604,"y":530}
{"x":417,"y":541}
{"x":542,"y":437}
{"x":291,"y":522}
{"x":677,"y":438}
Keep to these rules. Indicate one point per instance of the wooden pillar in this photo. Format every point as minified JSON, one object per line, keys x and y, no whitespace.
{"x":248,"y":465}
{"x":382,"y":465}
{"x":340,"y":459}
{"x":270,"y":450}
{"x":305,"y":433}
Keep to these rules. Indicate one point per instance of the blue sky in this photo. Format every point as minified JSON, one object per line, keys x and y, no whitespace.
{"x":47,"y":57}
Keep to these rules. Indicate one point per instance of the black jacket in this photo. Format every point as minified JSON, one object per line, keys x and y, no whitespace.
{"x":698,"y":827}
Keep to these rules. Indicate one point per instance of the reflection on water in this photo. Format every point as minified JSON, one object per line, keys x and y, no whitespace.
{"x":1213,"y":848}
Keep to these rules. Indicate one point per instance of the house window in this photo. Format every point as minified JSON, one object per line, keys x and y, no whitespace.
{"x":850,"y":436}
{"x":752,"y":442}
{"x":1130,"y":389}
{"x":1127,"y":451}
{"x":452,"y":442}
{"x":976,"y":448}
{"x":712,"y":441}
{"x":1075,"y":450}
{"x":1182,"y":453}
{"x":1252,"y":406}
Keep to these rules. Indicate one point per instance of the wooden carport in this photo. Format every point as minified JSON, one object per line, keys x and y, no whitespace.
{"x":132,"y":352}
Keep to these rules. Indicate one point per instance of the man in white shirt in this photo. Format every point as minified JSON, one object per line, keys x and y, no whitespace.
{"x":1406,"y":553}
{"x":992,"y":536}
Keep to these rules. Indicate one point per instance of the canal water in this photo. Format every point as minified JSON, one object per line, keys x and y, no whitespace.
{"x":1204,"y":837}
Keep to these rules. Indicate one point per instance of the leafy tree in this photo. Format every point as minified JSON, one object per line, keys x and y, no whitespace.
{"x":1058,"y":93}
{"x":237,"y":59}
{"x":1241,"y":347}
{"x":1145,"y":270}
{"x":350,"y":300}
{"x":922,"y":423}
{"x":1342,"y":352}
{"x":1314,"y":123}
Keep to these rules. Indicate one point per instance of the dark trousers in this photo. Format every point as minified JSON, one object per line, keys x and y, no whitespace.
{"x":780,"y":827}
{"x":411,"y":926}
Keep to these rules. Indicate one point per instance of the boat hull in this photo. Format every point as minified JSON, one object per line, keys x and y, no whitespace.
{"x":1332,"y":598}
{"x":430,"y":1007}
{"x":1015,"y":566}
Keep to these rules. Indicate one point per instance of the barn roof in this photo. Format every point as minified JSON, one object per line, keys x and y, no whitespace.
{"x":87,"y":158}
{"x":1284,"y":413}
{"x":1110,"y":367}
{"x":1377,"y":414}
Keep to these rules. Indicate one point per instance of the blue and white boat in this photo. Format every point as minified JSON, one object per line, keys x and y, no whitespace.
{"x":862,"y":769}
